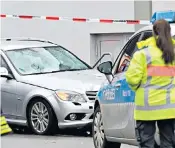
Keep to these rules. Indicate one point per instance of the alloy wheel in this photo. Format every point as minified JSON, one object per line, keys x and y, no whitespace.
{"x":39,"y":117}
{"x":98,"y":130}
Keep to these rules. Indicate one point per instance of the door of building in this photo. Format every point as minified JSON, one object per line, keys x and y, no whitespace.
{"x":110,"y":43}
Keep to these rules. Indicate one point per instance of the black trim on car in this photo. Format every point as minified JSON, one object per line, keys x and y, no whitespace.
{"x":7,"y":66}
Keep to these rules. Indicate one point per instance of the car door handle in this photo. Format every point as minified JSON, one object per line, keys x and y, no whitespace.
{"x":19,"y":98}
{"x":117,"y":85}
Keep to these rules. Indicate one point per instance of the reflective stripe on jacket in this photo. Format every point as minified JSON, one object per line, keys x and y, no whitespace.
{"x":153,"y":82}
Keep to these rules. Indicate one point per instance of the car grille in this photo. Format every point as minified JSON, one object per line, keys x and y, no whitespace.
{"x":92,"y":95}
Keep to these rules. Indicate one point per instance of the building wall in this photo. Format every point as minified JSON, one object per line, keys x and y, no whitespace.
{"x":73,"y":36}
{"x":163,"y":5}
{"x":142,"y":11}
{"x":76,"y":36}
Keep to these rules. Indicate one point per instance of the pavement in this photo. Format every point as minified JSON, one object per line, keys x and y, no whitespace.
{"x":64,"y":139}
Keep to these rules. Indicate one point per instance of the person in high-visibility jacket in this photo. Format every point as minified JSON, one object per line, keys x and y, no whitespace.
{"x":151,"y":74}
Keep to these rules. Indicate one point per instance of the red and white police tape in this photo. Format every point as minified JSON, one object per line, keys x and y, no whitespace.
{"x":77,"y":19}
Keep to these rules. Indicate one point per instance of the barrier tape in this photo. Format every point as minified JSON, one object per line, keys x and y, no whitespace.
{"x":76,"y":19}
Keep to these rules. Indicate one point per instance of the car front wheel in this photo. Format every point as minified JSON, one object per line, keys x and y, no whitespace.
{"x":41,"y":117}
{"x":98,"y":132}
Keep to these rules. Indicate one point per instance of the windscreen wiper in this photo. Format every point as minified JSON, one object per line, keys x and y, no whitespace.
{"x":72,"y":70}
{"x":38,"y":73}
{"x":54,"y":71}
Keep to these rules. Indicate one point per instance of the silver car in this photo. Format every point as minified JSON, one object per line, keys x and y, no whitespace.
{"x":45,"y":86}
{"x":113,"y":121}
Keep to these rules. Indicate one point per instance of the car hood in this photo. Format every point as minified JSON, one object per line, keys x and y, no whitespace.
{"x":79,"y":81}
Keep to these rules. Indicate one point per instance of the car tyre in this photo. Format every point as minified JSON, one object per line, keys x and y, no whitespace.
{"x":98,"y":132}
{"x":41,"y":117}
{"x":156,"y":146}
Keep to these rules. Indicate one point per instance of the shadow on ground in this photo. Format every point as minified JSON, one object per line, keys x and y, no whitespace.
{"x":83,"y":132}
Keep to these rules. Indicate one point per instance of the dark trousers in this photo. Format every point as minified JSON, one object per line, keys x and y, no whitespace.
{"x":145,"y":131}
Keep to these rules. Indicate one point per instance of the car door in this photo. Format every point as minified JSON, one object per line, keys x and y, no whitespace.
{"x":8,"y":93}
{"x":116,"y":100}
{"x":118,"y":103}
{"x":126,"y":94}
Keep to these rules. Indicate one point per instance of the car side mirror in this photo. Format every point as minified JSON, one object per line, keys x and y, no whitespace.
{"x":4,"y":73}
{"x":106,"y":68}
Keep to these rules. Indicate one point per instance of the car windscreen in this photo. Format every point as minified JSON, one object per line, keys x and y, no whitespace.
{"x":43,"y":60}
{"x":67,"y":60}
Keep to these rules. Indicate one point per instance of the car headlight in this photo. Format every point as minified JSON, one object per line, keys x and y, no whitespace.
{"x":71,"y":96}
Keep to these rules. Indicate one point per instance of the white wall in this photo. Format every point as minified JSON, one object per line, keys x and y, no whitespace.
{"x":143,"y":11}
{"x":73,"y":36}
{"x":163,"y":5}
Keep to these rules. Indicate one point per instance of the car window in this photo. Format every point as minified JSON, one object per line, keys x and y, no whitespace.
{"x":132,"y":46}
{"x":146,"y":35}
{"x":3,"y":63}
{"x":131,"y":49}
{"x":125,"y":60}
{"x":33,"y":60}
{"x":44,"y":60}
{"x":68,"y":60}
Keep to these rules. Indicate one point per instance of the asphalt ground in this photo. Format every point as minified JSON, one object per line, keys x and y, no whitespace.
{"x":64,"y":139}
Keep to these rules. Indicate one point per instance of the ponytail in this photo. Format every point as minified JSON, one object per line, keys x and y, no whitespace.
{"x":162,"y":32}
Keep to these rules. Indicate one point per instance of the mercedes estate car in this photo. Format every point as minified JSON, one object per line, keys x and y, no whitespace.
{"x":113,"y":122}
{"x":44,"y":86}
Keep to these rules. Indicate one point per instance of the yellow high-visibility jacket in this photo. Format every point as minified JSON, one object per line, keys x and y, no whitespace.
{"x":153,"y":83}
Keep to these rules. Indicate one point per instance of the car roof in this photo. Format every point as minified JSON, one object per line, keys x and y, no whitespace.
{"x":149,"y":28}
{"x":14,"y":44}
